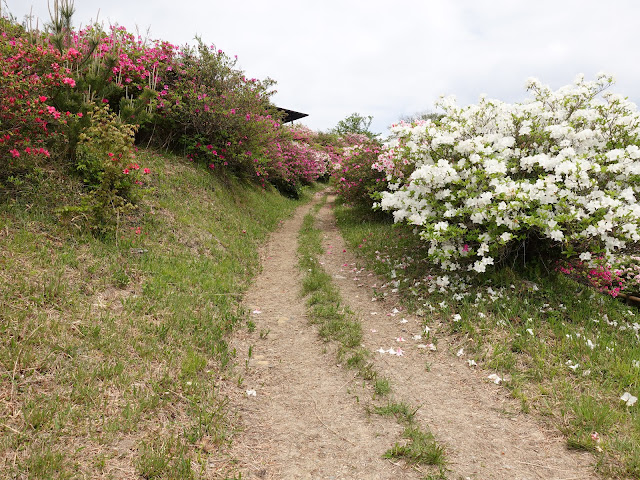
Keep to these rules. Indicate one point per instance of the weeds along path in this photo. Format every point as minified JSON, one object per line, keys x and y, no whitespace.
{"x":304,"y":421}
{"x":484,"y":434}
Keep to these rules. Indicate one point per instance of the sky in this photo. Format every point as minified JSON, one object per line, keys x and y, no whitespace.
{"x":332,"y":58}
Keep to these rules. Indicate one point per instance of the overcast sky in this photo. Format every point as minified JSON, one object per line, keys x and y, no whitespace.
{"x":387,"y":59}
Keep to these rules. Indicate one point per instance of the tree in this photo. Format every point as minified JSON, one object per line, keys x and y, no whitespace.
{"x":355,"y":123}
{"x":423,"y":115}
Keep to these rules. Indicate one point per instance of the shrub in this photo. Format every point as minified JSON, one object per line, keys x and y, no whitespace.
{"x":28,"y":120}
{"x":106,"y":161}
{"x":356,"y":181}
{"x":559,"y":171}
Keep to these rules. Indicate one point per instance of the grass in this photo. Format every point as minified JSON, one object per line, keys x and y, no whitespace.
{"x":338,"y":324}
{"x":569,"y":353}
{"x":112,"y":351}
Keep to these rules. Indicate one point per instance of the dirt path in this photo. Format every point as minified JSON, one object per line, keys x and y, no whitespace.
{"x":306,"y":421}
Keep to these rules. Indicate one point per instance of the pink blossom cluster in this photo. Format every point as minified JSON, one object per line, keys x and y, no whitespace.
{"x":598,"y":274}
{"x":357,"y":182}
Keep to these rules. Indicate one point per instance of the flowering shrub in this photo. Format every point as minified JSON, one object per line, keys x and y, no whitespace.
{"x":106,"y":160}
{"x":27,"y":117}
{"x":193,"y":99}
{"x":295,"y":158}
{"x":356,"y":180}
{"x":621,"y":275}
{"x":600,"y":276}
{"x":560,"y":170}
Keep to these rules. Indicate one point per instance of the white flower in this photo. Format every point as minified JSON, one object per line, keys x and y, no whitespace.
{"x":556,"y":235}
{"x":585,"y":256}
{"x":506,"y":236}
{"x":629,"y":399}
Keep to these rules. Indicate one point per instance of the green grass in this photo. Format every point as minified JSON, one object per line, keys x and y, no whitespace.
{"x":125,"y":338}
{"x":335,"y":321}
{"x":533,"y":327}
{"x":420,"y":447}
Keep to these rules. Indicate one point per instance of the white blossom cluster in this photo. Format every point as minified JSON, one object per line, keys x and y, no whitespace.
{"x":563,"y":165}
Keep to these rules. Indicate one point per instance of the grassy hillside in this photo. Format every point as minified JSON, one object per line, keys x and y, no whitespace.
{"x":111,"y":349}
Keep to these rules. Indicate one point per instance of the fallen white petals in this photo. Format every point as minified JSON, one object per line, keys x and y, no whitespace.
{"x":460,"y":352}
{"x":569,"y":364}
{"x":251,"y":393}
{"x":404,"y":320}
{"x":494,"y":378}
{"x":471,"y":363}
{"x":257,"y":312}
{"x":417,"y":337}
{"x":629,"y":399}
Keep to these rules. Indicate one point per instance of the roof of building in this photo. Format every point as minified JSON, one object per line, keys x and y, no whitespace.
{"x":291,"y":115}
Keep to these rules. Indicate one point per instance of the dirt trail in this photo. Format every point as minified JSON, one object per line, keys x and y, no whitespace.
{"x":305,"y":421}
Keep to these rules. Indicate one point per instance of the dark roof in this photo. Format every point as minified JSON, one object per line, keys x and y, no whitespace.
{"x":291,"y":115}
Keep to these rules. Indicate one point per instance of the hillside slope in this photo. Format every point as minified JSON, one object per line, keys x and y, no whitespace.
{"x":111,"y":349}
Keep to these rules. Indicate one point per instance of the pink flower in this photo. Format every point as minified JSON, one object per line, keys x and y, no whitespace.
{"x":146,"y":170}
{"x":42,"y":98}
{"x":125,"y":171}
{"x":15,"y":153}
{"x":69,"y":81}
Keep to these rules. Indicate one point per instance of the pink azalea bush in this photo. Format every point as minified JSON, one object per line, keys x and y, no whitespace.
{"x":357,"y":182}
{"x":28,"y":120}
{"x":190,"y":99}
{"x":621,"y":275}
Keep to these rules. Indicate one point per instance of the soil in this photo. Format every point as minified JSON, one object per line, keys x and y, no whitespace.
{"x":309,"y":418}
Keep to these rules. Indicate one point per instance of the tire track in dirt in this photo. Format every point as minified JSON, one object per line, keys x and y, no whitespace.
{"x":484,"y":435}
{"x":304,"y":421}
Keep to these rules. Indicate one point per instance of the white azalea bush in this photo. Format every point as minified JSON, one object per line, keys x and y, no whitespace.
{"x":560,"y":169}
